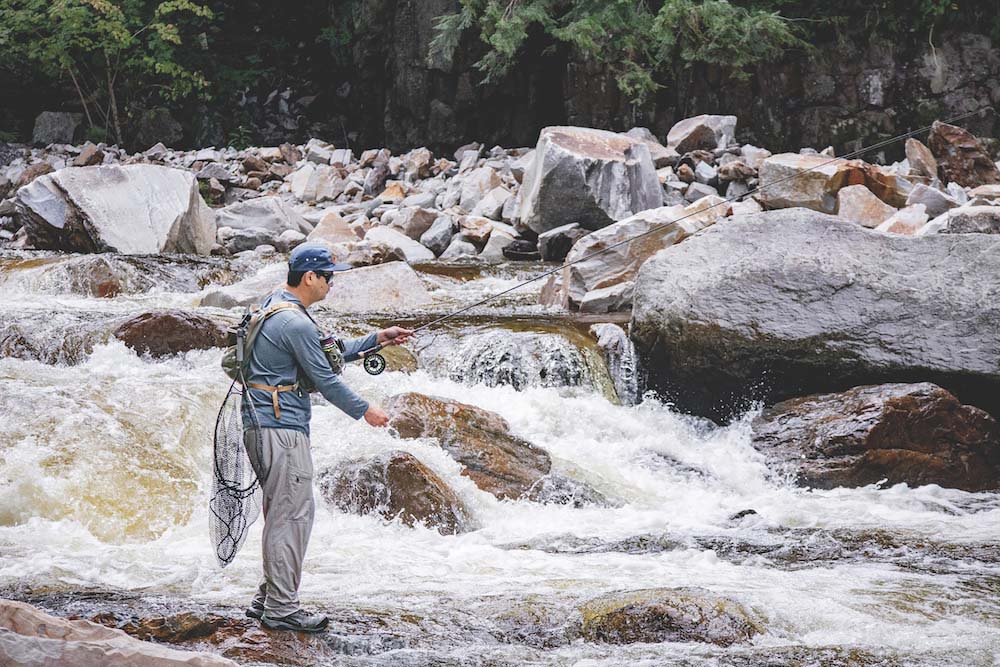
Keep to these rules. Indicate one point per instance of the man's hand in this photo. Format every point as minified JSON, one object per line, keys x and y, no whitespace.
{"x":394,"y":336}
{"x":376,"y":417}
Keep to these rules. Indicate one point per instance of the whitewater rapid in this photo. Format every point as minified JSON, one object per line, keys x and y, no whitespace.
{"x":105,"y":475}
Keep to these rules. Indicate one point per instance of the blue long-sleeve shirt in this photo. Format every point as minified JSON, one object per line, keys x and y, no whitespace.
{"x":287,"y":347}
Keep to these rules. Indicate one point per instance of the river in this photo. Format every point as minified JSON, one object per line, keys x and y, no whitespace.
{"x":105,"y":472}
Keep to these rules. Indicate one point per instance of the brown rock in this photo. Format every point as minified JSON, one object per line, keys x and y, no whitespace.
{"x":253,"y":163}
{"x":176,"y":629}
{"x":33,"y":172}
{"x":685,"y":173}
{"x":394,"y":192}
{"x":737,"y":170}
{"x":667,"y":615}
{"x":277,"y":172}
{"x":167,"y":332}
{"x":961,"y":157}
{"x":497,"y":461}
{"x":922,"y":162}
{"x":475,"y":228}
{"x":912,"y":433}
{"x":395,"y":484}
{"x":253,"y":183}
{"x":89,"y":156}
{"x":291,"y":154}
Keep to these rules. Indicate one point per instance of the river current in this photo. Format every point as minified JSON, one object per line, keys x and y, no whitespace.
{"x":105,"y":472}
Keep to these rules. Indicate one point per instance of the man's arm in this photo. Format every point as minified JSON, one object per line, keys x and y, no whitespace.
{"x":303,"y":339}
{"x":355,"y":346}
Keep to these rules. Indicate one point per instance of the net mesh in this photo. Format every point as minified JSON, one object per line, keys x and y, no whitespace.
{"x":236,"y":490}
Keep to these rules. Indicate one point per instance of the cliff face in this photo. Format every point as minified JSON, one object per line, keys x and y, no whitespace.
{"x":392,"y":88}
{"x":843,"y":93}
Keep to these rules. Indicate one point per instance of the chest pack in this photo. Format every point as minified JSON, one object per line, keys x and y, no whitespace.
{"x":241,"y":339}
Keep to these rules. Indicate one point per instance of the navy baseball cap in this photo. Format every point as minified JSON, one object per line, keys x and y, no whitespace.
{"x":309,"y":257}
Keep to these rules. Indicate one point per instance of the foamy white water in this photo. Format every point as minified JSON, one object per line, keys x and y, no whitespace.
{"x":105,"y":475}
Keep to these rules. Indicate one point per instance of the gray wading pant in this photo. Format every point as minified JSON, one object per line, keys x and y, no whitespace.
{"x":283,"y":463}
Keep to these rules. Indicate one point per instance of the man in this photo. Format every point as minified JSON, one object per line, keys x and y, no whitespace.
{"x":287,"y":353}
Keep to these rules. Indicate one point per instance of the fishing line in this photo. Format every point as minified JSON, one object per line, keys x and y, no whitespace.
{"x":659,"y":227}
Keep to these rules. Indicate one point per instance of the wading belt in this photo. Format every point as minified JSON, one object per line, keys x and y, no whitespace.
{"x":274,"y":391}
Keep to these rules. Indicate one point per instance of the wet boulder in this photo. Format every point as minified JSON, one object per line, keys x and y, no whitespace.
{"x":137,"y":209}
{"x":913,"y":433}
{"x":590,"y":177}
{"x":621,"y":265}
{"x":166,"y":332}
{"x":31,"y":636}
{"x":667,"y":615}
{"x":497,"y":461}
{"x":787,"y":303}
{"x":395,"y":484}
{"x":961,"y":157}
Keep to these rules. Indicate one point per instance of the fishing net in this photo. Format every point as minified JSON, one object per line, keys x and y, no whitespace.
{"x":236,"y":488}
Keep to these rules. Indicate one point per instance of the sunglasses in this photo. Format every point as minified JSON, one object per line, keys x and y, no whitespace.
{"x":325,"y":275}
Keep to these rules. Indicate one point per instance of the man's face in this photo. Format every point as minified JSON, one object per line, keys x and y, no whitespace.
{"x":320,"y":284}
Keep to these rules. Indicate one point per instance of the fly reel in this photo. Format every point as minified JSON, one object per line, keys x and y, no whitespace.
{"x":374,"y":363}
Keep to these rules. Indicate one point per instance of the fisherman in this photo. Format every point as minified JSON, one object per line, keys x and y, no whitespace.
{"x":286,"y":362}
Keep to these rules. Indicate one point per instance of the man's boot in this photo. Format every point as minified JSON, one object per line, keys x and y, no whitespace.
{"x":298,"y":621}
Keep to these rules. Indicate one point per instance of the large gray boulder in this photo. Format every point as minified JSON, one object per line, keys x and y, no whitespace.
{"x":137,"y":209}
{"x":55,"y":127}
{"x":786,"y":303}
{"x":587,"y":176}
{"x":269,"y":213}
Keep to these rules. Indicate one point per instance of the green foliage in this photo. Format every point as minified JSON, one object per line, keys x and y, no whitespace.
{"x":113,"y":51}
{"x":634,"y":40}
{"x":647,"y":42}
{"x":240,"y":137}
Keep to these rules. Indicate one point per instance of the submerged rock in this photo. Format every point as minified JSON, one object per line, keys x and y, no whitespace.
{"x":137,"y":209}
{"x":167,"y":332}
{"x":787,"y":303}
{"x":667,"y":615}
{"x":913,"y":433}
{"x":496,"y":460}
{"x":29,"y":636}
{"x":395,"y":484}
{"x":587,"y":176}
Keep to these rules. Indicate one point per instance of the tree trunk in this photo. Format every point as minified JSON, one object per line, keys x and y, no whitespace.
{"x":114,"y":102}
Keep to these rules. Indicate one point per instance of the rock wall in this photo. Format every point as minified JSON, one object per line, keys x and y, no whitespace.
{"x":395,"y":89}
{"x":844,"y":93}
